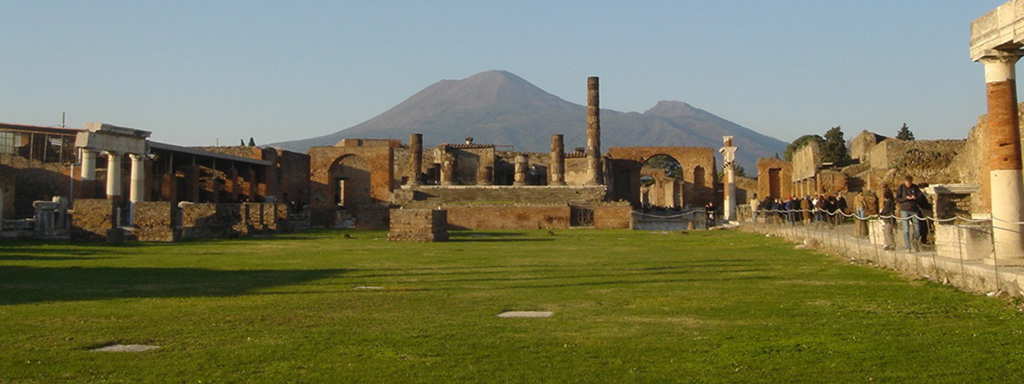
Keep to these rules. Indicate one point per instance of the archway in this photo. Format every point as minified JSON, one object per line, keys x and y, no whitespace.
{"x":661,"y":180}
{"x":349,"y":181}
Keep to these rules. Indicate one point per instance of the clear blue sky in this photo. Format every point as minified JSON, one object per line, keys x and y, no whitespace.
{"x":196,"y":71}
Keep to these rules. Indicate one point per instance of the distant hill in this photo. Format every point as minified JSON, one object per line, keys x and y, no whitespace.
{"x":501,"y":108}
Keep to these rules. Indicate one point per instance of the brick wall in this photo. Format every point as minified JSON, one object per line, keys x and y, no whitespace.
{"x":92,"y":219}
{"x":508,"y":217}
{"x":155,"y":221}
{"x":418,"y":225}
{"x":613,"y":216}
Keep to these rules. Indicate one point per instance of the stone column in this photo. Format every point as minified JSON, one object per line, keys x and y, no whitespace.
{"x":522,"y":163}
{"x":113,"y":175}
{"x":556,"y":168}
{"x":88,"y":165}
{"x":447,"y":168}
{"x":729,"y":184}
{"x":485,"y":176}
{"x":137,"y":192}
{"x":416,"y":147}
{"x":593,"y":132}
{"x":1004,"y":157}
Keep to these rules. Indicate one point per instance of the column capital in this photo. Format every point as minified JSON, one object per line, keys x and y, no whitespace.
{"x":112,"y":153}
{"x":136,"y":156}
{"x":994,"y":56}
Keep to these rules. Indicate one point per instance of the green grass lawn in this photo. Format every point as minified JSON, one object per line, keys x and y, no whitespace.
{"x":704,"y":307}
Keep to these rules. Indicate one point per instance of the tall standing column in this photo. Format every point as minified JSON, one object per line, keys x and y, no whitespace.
{"x":416,"y":147}
{"x":1004,"y":157}
{"x":113,"y":175}
{"x":729,"y":184}
{"x":593,"y":132}
{"x":522,"y":162}
{"x":137,"y":192}
{"x":556,"y":168}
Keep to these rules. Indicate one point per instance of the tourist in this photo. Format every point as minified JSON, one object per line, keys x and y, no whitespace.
{"x":709,"y":211}
{"x":859,"y":207}
{"x":908,"y":199}
{"x":753,"y":208}
{"x":924,"y":208}
{"x":805,"y":206}
{"x":887,"y":214}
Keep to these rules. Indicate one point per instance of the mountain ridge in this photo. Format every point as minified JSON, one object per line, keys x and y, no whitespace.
{"x":502,"y":108}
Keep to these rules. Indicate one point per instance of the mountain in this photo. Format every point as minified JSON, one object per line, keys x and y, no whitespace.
{"x":501,"y":108}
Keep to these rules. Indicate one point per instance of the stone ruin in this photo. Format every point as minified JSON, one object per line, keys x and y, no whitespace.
{"x":426,"y":225}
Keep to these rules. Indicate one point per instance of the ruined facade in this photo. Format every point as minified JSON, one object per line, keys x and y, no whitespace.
{"x":774,"y":179}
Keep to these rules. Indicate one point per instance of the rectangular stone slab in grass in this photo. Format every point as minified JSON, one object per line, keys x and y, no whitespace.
{"x":126,"y":348}
{"x":525,"y":314}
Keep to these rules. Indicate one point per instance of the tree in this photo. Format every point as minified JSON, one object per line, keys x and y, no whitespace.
{"x":800,"y":142}
{"x":834,"y":150}
{"x":252,"y":143}
{"x":905,"y":133}
{"x":241,"y":142}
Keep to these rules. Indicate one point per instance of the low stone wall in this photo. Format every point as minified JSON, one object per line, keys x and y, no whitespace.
{"x":967,"y":273}
{"x":508,"y":217}
{"x":613,"y":216}
{"x":154,"y":220}
{"x":430,"y":195}
{"x":93,"y":219}
{"x":208,"y":220}
{"x":418,"y":225}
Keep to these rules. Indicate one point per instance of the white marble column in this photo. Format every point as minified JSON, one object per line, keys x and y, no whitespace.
{"x":88,"y":165}
{"x":729,"y":184}
{"x":113,"y":175}
{"x":138,"y":179}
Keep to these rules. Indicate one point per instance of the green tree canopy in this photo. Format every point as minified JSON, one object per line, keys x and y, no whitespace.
{"x":834,"y":150}
{"x":905,"y":133}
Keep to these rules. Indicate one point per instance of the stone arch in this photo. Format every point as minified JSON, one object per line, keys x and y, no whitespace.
{"x":661,"y":181}
{"x":349,"y":181}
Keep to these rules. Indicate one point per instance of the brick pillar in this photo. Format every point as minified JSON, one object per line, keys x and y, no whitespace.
{"x":593,"y":132}
{"x":416,"y":151}
{"x":1002,"y":132}
{"x":193,"y":183}
{"x":556,"y":168}
{"x":485,"y":176}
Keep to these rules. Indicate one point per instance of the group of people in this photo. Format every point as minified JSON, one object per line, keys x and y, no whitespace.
{"x":821,"y":208}
{"x":907,"y":204}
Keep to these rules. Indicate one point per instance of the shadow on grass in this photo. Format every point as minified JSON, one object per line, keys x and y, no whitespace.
{"x":22,"y":285}
{"x":19,"y":257}
{"x":486,"y":240}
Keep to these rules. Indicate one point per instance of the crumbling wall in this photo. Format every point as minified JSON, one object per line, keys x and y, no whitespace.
{"x":508,"y":217}
{"x":861,"y":145}
{"x":154,"y":220}
{"x":806,"y":161}
{"x":928,"y":161}
{"x":418,"y":225}
{"x":93,"y":219}
{"x":35,"y":180}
